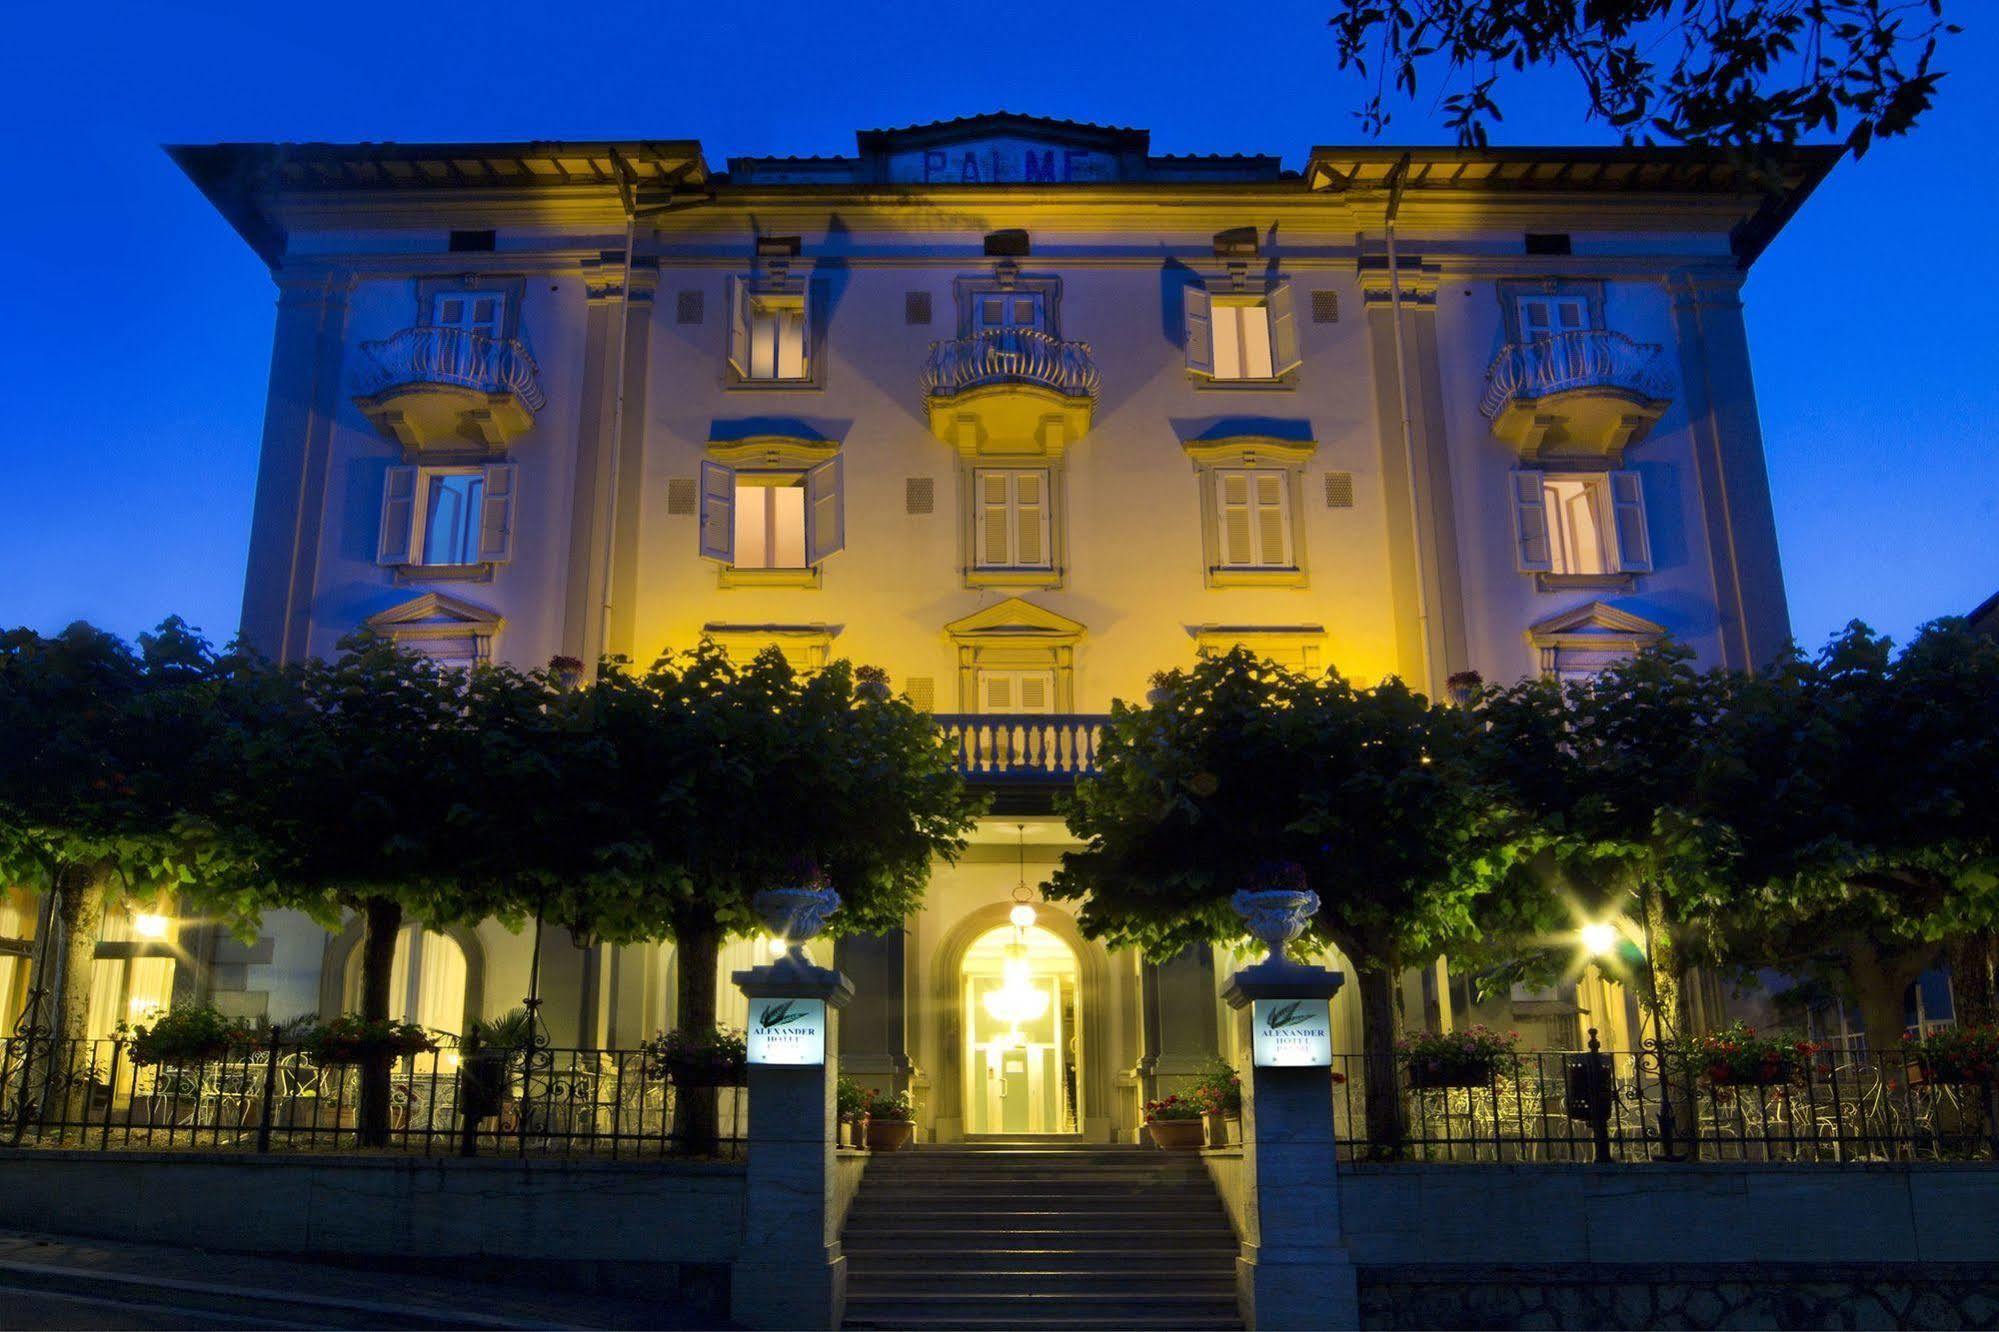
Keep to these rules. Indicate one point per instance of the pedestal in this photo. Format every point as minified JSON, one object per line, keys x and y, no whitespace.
{"x":1293,"y":1271}
{"x":790,"y":1272}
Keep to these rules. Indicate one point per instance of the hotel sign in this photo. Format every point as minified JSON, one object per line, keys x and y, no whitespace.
{"x":787,"y":1032}
{"x":1001,"y":161}
{"x":1292,"y":1033}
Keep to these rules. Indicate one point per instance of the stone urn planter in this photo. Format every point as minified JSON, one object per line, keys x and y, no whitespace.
{"x":888,"y":1135}
{"x":1221,"y":1130}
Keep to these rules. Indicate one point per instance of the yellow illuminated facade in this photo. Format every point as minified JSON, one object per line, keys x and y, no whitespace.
{"x":1020,"y":411}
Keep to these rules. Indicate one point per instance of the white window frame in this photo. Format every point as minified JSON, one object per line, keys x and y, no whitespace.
{"x":405,"y":514}
{"x":1214,"y":460}
{"x":1618,"y":509}
{"x":1203,"y":329}
{"x":1016,"y":682}
{"x":1258,"y":503}
{"x":752,"y":301}
{"x":825,"y":517}
{"x":1551,"y":305}
{"x":471,"y":296}
{"x":1008,"y":514}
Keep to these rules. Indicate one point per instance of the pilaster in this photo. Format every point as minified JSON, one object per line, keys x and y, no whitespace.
{"x":1731,"y":480}
{"x":306,"y":355}
{"x":1423,"y":530}
{"x":874,"y":1039}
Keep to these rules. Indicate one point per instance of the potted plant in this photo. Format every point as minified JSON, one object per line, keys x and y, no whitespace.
{"x":1735,"y":1056}
{"x":489,"y":1050}
{"x":1161,"y":691}
{"x":714,"y":1057}
{"x":1472,"y":1057}
{"x":1174,"y":1121}
{"x":1954,"y":1056}
{"x":186,"y":1036}
{"x":352,"y":1039}
{"x":568,"y":671}
{"x":1463,"y":687}
{"x":891,"y":1120}
{"x":851,"y":1103}
{"x":1219,"y":1090}
{"x":871,"y":682}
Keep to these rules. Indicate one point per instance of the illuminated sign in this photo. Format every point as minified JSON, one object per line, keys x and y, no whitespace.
{"x":1292,"y":1033}
{"x":787,"y":1031}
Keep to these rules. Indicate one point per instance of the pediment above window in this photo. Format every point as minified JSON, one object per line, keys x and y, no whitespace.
{"x":808,"y":647}
{"x":1590,"y":638}
{"x":451,"y":629}
{"x":1016,"y":618}
{"x":1249,"y":448}
{"x":773,"y":448}
{"x":1297,"y":647}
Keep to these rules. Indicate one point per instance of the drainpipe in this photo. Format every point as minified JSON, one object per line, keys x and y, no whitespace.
{"x":628,"y":195}
{"x":1395,"y":179}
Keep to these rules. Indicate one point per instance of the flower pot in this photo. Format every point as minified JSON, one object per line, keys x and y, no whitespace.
{"x":889,"y":1135}
{"x":705,"y":1073}
{"x":1436,"y":1075}
{"x":1946,"y":1073}
{"x":1216,"y":1127}
{"x":1176,"y":1135}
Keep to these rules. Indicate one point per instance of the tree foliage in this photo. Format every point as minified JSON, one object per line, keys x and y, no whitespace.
{"x":1736,"y":74}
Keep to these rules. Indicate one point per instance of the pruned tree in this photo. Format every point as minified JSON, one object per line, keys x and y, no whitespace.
{"x":96,"y":743}
{"x":1733,"y":74}
{"x":1241,"y":763}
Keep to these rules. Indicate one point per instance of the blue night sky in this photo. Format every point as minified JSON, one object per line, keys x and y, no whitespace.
{"x":138,"y":326}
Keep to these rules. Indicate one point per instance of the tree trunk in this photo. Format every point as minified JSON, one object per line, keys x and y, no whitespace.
{"x":382,"y":920}
{"x":696,"y":1110}
{"x":1972,"y":988}
{"x":85,"y":889}
{"x":1382,"y":1090}
{"x":1881,"y":979}
{"x":1665,"y":993}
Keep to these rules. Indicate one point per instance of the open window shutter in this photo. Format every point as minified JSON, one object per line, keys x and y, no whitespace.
{"x":1237,"y":528}
{"x":398,"y":516}
{"x":739,"y":328}
{"x":496,"y":515}
{"x":1530,"y":524}
{"x":1284,"y":356}
{"x":825,"y":515}
{"x":1200,"y":326}
{"x":805,"y":330}
{"x":1030,"y":501}
{"x":718,"y":512}
{"x":1634,"y":541}
{"x":1272,"y":520}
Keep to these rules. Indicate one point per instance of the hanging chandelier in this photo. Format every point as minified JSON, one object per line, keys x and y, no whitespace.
{"x":1018,"y":999}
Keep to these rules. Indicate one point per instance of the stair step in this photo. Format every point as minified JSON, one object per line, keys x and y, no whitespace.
{"x":893,"y":1322}
{"x":863,"y":1280}
{"x":1052,"y":1258}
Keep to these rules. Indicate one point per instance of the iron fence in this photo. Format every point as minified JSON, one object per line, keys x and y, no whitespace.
{"x":276,"y":1096}
{"x":1633,"y":1106}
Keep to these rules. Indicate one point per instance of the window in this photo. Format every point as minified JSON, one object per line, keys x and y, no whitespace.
{"x":1007,"y":692}
{"x":770,"y":334}
{"x":133,"y":974}
{"x":1253,"y":513}
{"x":1241,"y":337}
{"x":1580,"y":526}
{"x":996,"y":311}
{"x":474,"y":311}
{"x":1546,"y":316}
{"x":772,"y":519}
{"x":447,"y":517}
{"x":1010,"y":520}
{"x":427,"y":980}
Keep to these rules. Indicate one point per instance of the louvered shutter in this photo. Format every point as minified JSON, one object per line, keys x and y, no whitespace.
{"x":718,"y":512}
{"x":1035,"y":691}
{"x":1273,"y":520}
{"x":739,"y":328}
{"x":398,"y":516}
{"x":1634,"y":539}
{"x":825,"y":513}
{"x":995,"y":692}
{"x":1030,"y":508}
{"x":805,"y":332}
{"x":995,"y":549}
{"x":1530,"y":524}
{"x":496,"y":515}
{"x":1284,"y":356}
{"x":1238,"y":528}
{"x":1200,"y":330}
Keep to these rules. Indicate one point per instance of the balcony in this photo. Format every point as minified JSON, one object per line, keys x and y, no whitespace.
{"x":1051,"y":748}
{"x":1010,"y":390}
{"x":1589,"y":393}
{"x":434,"y":387}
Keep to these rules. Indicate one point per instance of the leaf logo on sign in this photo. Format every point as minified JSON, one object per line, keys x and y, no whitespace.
{"x":1287,"y":1016}
{"x":778,"y":1015}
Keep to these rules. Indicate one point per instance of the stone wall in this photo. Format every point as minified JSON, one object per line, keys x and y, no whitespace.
{"x":672,"y":1228}
{"x":1668,"y":1295}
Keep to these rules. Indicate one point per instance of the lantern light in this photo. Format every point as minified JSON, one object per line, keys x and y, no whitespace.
{"x":1599,"y":938}
{"x":149,"y":925}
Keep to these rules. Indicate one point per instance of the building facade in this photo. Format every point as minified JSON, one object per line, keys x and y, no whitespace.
{"x":1021,"y":412}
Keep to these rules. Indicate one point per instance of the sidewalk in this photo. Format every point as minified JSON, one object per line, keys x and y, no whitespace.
{"x":109,"y":1284}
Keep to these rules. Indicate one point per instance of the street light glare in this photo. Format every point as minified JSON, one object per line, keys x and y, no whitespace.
{"x":1599,"y":938}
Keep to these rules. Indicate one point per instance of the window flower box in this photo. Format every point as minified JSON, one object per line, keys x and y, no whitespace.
{"x":1953,"y":1057}
{"x":1472,"y":1057}
{"x":349,"y":1039}
{"x":717,"y":1057}
{"x":1735,"y":1056}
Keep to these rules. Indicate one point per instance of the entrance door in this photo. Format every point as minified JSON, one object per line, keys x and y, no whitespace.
{"x":1021,"y":1064}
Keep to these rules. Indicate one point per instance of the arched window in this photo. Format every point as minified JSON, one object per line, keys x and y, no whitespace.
{"x":426,"y":983}
{"x":133,"y":976}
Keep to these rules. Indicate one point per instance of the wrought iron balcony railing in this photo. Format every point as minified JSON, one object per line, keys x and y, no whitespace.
{"x":455,"y":356}
{"x":1050,"y":747}
{"x":1010,"y":356}
{"x":1593,"y":358}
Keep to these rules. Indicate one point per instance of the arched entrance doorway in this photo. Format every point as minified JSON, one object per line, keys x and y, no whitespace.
{"x":1021,"y":991}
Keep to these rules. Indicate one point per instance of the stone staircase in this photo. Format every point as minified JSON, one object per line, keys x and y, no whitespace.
{"x":1038,"y":1233}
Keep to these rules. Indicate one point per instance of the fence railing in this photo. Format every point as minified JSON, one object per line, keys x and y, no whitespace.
{"x":433,"y":355}
{"x":1591,"y":358}
{"x":1010,"y":356}
{"x":1051,"y":747}
{"x":276,"y":1097}
{"x":1557,"y":1106}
